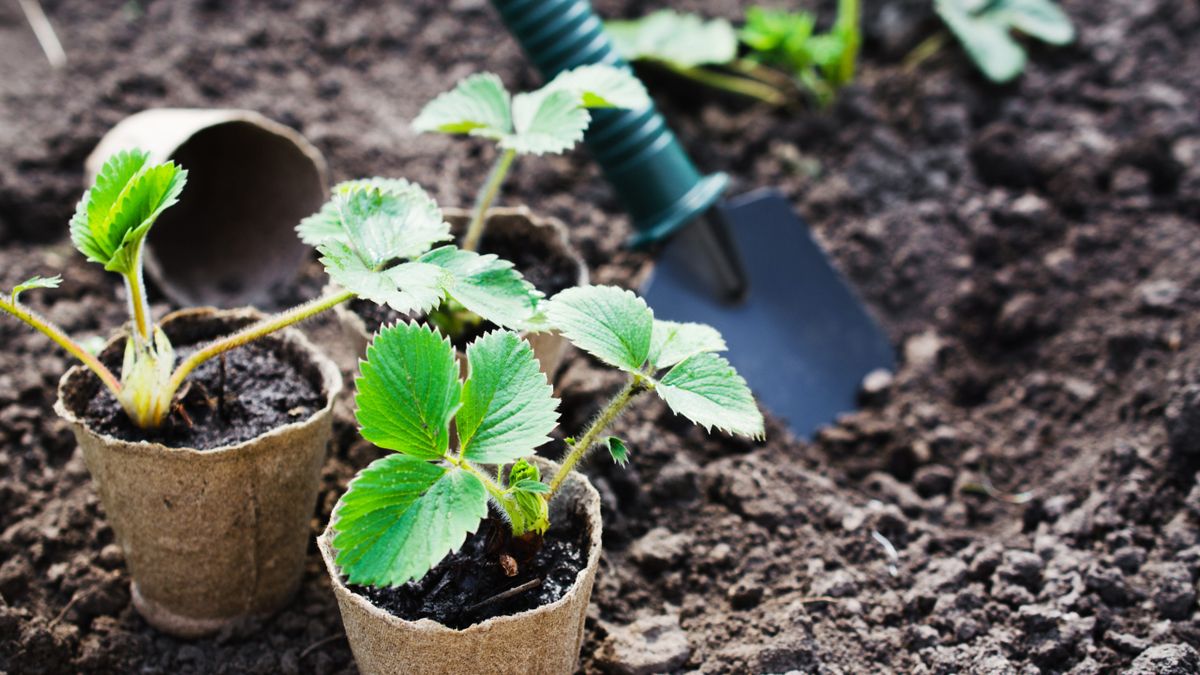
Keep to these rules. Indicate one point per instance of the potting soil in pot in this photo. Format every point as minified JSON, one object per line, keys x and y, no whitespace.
{"x":230,"y":399}
{"x":460,"y":590}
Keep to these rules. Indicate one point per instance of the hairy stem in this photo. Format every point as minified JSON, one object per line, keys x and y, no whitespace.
{"x":60,"y":338}
{"x":254,"y":332}
{"x":736,"y":84}
{"x":487,"y":194}
{"x":578,"y":450}
{"x":765,"y":74}
{"x":139,"y":305}
{"x":492,"y":486}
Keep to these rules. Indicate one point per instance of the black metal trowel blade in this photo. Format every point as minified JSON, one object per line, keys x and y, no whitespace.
{"x":801,"y":337}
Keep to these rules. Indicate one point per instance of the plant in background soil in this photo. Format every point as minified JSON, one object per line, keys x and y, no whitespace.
{"x":984,"y":28}
{"x":374,"y":236}
{"x":549,"y":120}
{"x":785,"y":53}
{"x":405,"y":512}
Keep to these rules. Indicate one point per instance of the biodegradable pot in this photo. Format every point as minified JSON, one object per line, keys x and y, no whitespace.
{"x":209,"y":535}
{"x":518,"y":222}
{"x":231,"y":239}
{"x":543,"y":640}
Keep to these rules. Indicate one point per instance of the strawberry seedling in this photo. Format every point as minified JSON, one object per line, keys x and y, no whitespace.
{"x":549,"y":120}
{"x":405,"y":512}
{"x":985,"y":27}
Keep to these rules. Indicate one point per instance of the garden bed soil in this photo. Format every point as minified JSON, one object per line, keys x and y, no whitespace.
{"x":468,"y":586}
{"x":1031,"y":249}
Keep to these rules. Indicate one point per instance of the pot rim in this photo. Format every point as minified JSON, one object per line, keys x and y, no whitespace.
{"x":331,"y":381}
{"x":591,"y":513}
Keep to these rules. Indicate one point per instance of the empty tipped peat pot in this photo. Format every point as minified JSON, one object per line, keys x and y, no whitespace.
{"x":210,"y":535}
{"x":541,"y":641}
{"x":231,"y":240}
{"x":544,"y":239}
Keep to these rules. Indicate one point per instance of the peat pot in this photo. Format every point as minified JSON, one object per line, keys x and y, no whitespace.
{"x":510,"y":225}
{"x":231,"y":240}
{"x":210,"y":535}
{"x":545,"y":640}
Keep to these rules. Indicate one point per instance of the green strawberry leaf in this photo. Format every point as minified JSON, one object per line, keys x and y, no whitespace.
{"x":618,"y":450}
{"x":532,"y":486}
{"x":610,"y":323}
{"x":408,"y":288}
{"x":707,"y":390}
{"x":672,"y":342}
{"x":401,"y":516}
{"x":546,"y":122}
{"x":508,"y":408}
{"x":487,"y":285}
{"x":549,"y":120}
{"x":600,"y":86}
{"x":683,"y":40}
{"x":479,"y":106}
{"x":116,"y":213}
{"x":408,"y":391}
{"x":411,"y":219}
{"x":32,"y":283}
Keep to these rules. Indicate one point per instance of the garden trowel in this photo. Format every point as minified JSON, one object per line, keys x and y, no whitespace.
{"x":747,"y":266}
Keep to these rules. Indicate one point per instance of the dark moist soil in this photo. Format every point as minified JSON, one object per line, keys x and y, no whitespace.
{"x":227,"y":400}
{"x":547,"y":269}
{"x":1031,"y":249}
{"x":460,"y":591}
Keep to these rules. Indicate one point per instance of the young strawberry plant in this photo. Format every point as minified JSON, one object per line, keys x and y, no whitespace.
{"x":375,"y":238}
{"x":549,"y":120}
{"x":405,"y":512}
{"x":785,"y":51}
{"x":984,"y":28}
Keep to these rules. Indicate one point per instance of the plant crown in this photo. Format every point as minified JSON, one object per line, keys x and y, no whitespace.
{"x":405,"y":512}
{"x":984,"y":27}
{"x":375,"y":237}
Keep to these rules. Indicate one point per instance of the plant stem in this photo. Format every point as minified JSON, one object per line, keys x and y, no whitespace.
{"x":135,"y":286}
{"x":487,"y":194}
{"x":762,"y":73}
{"x":743,"y":86}
{"x":924,"y":51}
{"x":492,"y":486}
{"x":636,"y":385}
{"x":60,"y":338}
{"x":254,"y":332}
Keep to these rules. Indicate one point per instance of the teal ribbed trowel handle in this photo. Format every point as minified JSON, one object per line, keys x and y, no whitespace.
{"x":642,"y":159}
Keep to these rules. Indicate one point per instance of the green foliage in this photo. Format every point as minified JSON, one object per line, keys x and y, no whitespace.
{"x":507,"y":405}
{"x":114,"y":216}
{"x":784,"y":50}
{"x":672,"y":342}
{"x":984,"y":27}
{"x":370,"y":225}
{"x":409,"y":393}
{"x":683,"y":40}
{"x":401,"y":515}
{"x":549,"y":120}
{"x":405,"y":512}
{"x":618,"y":450}
{"x":707,"y":390}
{"x":610,"y":323}
{"x":822,"y":62}
{"x":617,"y":327}
{"x":32,"y":283}
{"x":488,"y":286}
